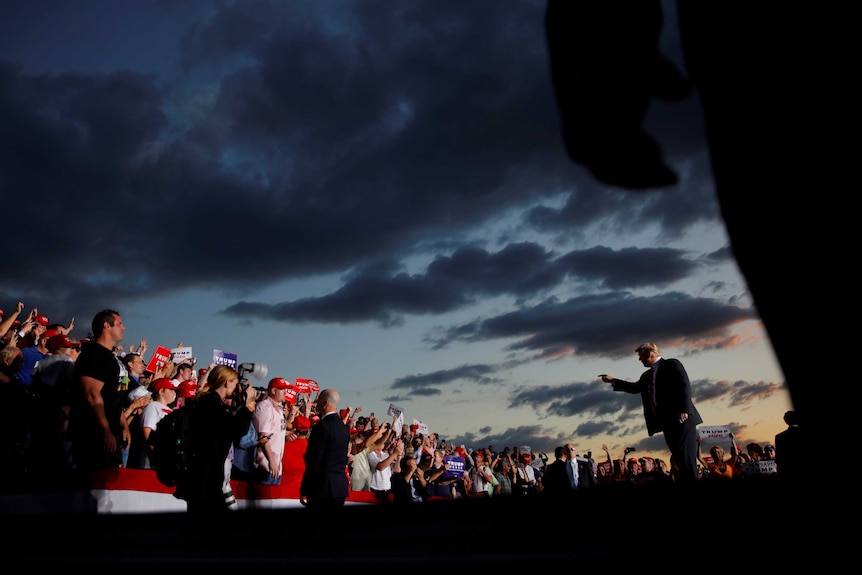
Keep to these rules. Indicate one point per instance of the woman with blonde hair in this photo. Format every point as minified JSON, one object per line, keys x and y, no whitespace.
{"x":215,"y":422}
{"x":719,"y":468}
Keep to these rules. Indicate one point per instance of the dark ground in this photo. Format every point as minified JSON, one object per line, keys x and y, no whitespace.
{"x":595,"y":527}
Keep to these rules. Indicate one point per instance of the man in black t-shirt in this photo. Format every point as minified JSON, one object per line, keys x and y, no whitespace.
{"x":97,"y":429}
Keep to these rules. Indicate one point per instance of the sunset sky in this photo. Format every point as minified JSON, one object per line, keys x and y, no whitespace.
{"x":373,"y":195}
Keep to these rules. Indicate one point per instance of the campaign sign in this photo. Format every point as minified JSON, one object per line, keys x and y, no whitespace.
{"x":394,"y":410}
{"x":456,"y":466}
{"x":763,"y":467}
{"x":304,"y":385}
{"x":223,"y":358}
{"x":182,"y":354}
{"x":421,"y":427}
{"x":713,"y":434}
{"x":159,"y":359}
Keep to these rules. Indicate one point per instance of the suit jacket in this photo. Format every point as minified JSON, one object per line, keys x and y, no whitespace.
{"x":672,"y":392}
{"x":791,"y":452}
{"x":555,"y":480}
{"x":325,"y":475}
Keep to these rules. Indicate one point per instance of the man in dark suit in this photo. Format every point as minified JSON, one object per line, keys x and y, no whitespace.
{"x":666,"y":394}
{"x":555,"y":480}
{"x":790,"y":449}
{"x":324,"y":483}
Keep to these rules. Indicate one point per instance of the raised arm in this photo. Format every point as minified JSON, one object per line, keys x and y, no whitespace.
{"x":699,"y":455}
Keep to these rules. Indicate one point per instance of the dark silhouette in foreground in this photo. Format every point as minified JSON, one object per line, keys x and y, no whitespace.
{"x":765,"y":74}
{"x":772,"y":78}
{"x":522,"y":531}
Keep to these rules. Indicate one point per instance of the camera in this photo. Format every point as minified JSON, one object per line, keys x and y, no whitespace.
{"x":256,"y":370}
{"x":240,"y":394}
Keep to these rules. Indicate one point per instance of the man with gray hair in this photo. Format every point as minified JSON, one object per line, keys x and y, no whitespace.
{"x":324,"y":485}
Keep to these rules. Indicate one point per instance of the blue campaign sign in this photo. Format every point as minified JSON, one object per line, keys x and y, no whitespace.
{"x":223,"y":358}
{"x":456,"y":466}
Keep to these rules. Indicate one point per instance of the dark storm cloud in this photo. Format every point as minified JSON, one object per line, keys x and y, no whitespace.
{"x":354,"y":143}
{"x":605,"y":412}
{"x":607,"y":325}
{"x":629,"y":267}
{"x":533,"y":436}
{"x":670,"y":213}
{"x":478,"y":373}
{"x":565,"y":400}
{"x":382,"y":293}
{"x":736,"y":394}
{"x":303,"y":143}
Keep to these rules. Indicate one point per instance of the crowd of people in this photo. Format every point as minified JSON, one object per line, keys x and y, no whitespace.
{"x":91,"y":405}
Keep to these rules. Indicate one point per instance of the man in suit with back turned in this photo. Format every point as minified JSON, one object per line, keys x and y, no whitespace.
{"x":324,"y":483}
{"x":666,"y":394}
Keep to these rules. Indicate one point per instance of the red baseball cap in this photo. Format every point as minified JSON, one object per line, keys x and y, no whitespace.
{"x":41,"y":320}
{"x":163,"y":383}
{"x":49,"y":333}
{"x":188,"y":388}
{"x":60,"y":341}
{"x":279,"y":383}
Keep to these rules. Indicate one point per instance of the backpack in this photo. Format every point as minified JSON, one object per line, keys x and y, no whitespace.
{"x":170,"y":440}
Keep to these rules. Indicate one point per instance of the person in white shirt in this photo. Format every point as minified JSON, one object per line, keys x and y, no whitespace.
{"x":184,"y":371}
{"x":481,"y":474}
{"x":164,"y":394}
{"x":269,"y":421}
{"x":526,"y":477}
{"x":382,"y":464}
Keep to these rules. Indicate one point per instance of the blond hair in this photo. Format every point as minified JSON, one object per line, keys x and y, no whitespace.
{"x":218,"y":377}
{"x":648,"y":347}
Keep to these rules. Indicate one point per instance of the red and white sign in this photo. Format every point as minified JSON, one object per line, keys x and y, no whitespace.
{"x":306,"y":385}
{"x":160,"y":357}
